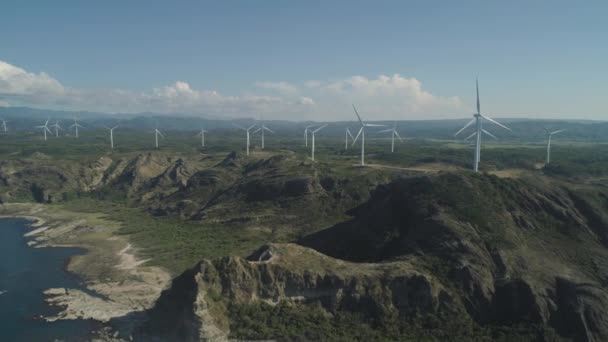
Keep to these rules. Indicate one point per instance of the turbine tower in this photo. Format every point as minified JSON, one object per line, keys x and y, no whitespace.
{"x":346,"y":135}
{"x":76,"y":125}
{"x":549,"y":136}
{"x":111,"y":135}
{"x":478,"y":121}
{"x":57,"y":128}
{"x":202,"y":134}
{"x":156,"y":134}
{"x":45,"y":128}
{"x":362,"y":134}
{"x":394,"y":134}
{"x":4,"y":125}
{"x":313,"y":141}
{"x":262,"y":129}
{"x":246,"y":130}
{"x":306,"y":129}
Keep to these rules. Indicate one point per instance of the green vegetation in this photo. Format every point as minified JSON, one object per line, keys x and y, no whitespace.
{"x":285,"y":322}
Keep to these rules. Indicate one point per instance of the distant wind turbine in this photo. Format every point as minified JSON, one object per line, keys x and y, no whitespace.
{"x":202,"y":134}
{"x":76,"y":125}
{"x":4,"y":125}
{"x":549,"y":136}
{"x":306,"y":129}
{"x":313,"y":141}
{"x":45,"y":128}
{"x":362,"y":134}
{"x":57,"y":128}
{"x":246,"y":130}
{"x":394,"y":134}
{"x":111,"y":135}
{"x":477,"y":120}
{"x":346,"y":135}
{"x":156,"y":134}
{"x":262,"y":129}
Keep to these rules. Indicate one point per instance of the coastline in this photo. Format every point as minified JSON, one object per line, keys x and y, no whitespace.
{"x":117,"y":281}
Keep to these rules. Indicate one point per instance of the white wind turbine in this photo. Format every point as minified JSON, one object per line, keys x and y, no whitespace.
{"x":202,"y":134}
{"x":246,"y":130}
{"x":313,"y":141}
{"x":156,"y":134}
{"x":477,"y":120}
{"x":362,"y":134}
{"x":45,"y":128}
{"x":57,"y":128}
{"x":394,"y":134}
{"x":76,"y":125}
{"x":346,"y":135}
{"x":4,"y":125}
{"x":262,"y":129}
{"x":306,"y":129}
{"x":549,"y":136}
{"x":111,"y":135}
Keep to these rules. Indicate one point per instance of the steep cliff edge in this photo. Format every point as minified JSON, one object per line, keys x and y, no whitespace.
{"x":452,"y":256}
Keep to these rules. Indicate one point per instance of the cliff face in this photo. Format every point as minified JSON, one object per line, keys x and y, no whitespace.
{"x":496,"y":252}
{"x":195,"y":307}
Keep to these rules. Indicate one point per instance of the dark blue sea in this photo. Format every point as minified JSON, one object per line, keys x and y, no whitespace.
{"x":25,"y":272}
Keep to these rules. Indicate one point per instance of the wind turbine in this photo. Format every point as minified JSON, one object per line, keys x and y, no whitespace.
{"x":4,"y":125}
{"x":263,"y":128}
{"x":246,"y":130}
{"x":156,"y":134}
{"x":57,"y":128}
{"x":111,"y":135}
{"x":346,"y":135}
{"x":306,"y":129}
{"x":549,"y":136}
{"x":202,"y":134}
{"x":393,"y":135}
{"x":478,"y":120}
{"x":362,"y":134}
{"x":76,"y":125}
{"x":45,"y":128}
{"x":313,"y":140}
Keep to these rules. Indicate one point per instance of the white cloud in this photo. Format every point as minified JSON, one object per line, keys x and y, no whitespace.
{"x":380,"y":98}
{"x":16,"y":81}
{"x":281,"y":87}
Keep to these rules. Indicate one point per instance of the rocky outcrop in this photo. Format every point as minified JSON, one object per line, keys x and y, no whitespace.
{"x":496,"y":252}
{"x":194,"y":308}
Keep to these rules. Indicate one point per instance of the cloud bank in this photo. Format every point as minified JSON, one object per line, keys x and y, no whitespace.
{"x":380,"y":98}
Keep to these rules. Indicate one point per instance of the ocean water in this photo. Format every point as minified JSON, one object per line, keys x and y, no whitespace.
{"x":25,"y":272}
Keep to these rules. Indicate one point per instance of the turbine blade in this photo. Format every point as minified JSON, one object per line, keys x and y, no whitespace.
{"x":374,"y":125}
{"x":465,"y":127}
{"x":358,"y":134}
{"x":48,"y":130}
{"x":250,"y":127}
{"x":477,"y":87}
{"x":398,"y":136}
{"x":385,"y":130}
{"x":239,"y":126}
{"x":561,"y":130}
{"x":496,"y":122}
{"x":318,"y":129}
{"x":490,"y":134}
{"x":358,"y":116}
{"x":257,"y":130}
{"x":349,"y":134}
{"x":470,"y":136}
{"x":268,"y":129}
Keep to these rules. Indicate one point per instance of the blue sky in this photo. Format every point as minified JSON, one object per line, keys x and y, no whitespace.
{"x":231,"y":58}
